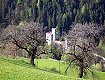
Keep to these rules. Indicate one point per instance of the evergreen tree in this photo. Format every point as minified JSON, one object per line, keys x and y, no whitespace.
{"x":53,"y":13}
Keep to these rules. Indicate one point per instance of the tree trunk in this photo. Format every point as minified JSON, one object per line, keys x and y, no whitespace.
{"x":32,"y":60}
{"x":32,"y":56}
{"x":81,"y":69}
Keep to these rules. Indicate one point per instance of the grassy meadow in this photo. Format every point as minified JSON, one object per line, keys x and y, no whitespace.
{"x":46,"y":69}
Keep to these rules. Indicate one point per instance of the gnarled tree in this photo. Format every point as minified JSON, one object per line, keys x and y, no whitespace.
{"x":85,"y":40}
{"x":26,"y":36}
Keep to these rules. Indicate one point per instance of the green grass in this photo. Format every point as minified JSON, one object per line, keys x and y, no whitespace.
{"x":47,"y":65}
{"x":19,"y":69}
{"x":46,"y":69}
{"x":53,"y":66}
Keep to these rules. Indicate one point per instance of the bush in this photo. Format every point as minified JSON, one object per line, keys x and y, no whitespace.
{"x":66,"y":57}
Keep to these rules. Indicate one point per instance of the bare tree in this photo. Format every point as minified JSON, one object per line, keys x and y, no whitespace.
{"x":57,"y":50}
{"x":27,"y":36}
{"x":85,"y":39}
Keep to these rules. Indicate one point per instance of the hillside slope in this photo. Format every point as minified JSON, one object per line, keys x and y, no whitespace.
{"x":20,"y":70}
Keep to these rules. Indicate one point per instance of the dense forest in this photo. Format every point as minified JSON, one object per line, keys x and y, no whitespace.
{"x":52,"y":13}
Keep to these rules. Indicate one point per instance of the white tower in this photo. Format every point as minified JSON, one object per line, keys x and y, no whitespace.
{"x":49,"y":37}
{"x":53,"y":33}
